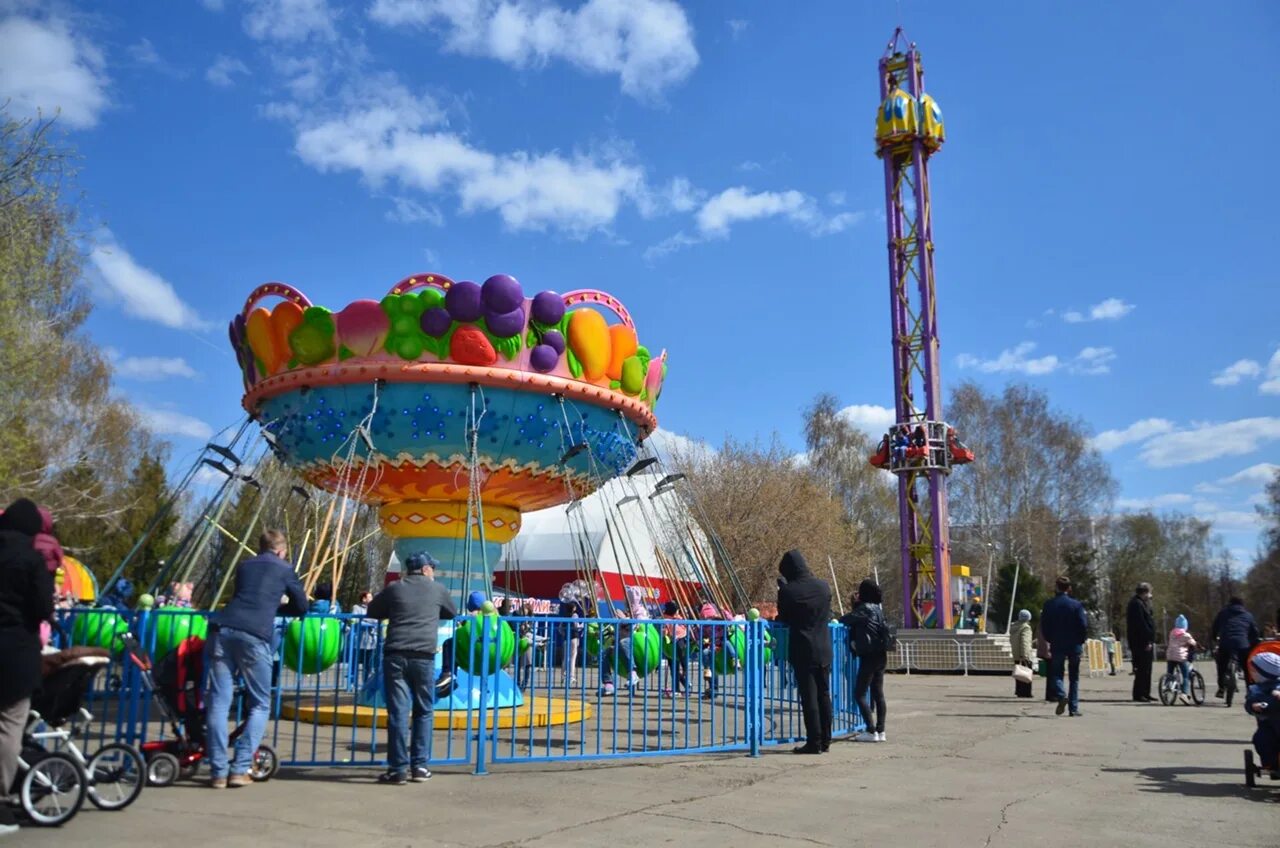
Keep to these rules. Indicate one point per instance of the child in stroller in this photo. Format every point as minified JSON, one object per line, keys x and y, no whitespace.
{"x":178,"y":684}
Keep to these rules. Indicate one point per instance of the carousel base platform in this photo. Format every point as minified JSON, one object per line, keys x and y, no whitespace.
{"x":534,"y":712}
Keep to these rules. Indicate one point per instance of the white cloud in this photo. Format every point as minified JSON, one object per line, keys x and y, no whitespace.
{"x":144,"y":52}
{"x":1227,"y":519}
{"x":1093,"y":360}
{"x":1139,"y":431}
{"x":214,"y":5}
{"x":1237,"y":371}
{"x":166,"y":422}
{"x":406,"y":211}
{"x":46,"y":68}
{"x":665,"y":443}
{"x":647,"y":43}
{"x":1251,"y":369}
{"x":143,"y":293}
{"x":1255,"y":475}
{"x":223,"y":70}
{"x":289,"y":20}
{"x":208,"y":477}
{"x":152,"y":368}
{"x":1157,"y":502}
{"x":1016,"y":360}
{"x":390,"y":136}
{"x":739,"y":203}
{"x":1271,"y":384}
{"x":750,"y":166}
{"x":1111,"y":309}
{"x":873,"y":420}
{"x":737,"y":27}
{"x":836,"y":198}
{"x":1204,"y":442}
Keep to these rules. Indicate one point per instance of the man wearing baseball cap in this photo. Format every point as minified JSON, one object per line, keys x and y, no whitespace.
{"x":413,"y":607}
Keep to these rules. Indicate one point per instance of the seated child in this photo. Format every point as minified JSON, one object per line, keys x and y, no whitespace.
{"x":1178,"y":653}
{"x":1263,"y":703}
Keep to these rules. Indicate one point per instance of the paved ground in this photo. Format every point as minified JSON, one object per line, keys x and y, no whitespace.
{"x":966,"y":764}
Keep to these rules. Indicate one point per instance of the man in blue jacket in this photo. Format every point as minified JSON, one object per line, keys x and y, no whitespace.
{"x":240,"y":641}
{"x":1065,"y":627}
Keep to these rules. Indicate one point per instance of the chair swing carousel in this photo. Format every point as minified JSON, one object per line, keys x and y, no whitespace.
{"x":451,"y":408}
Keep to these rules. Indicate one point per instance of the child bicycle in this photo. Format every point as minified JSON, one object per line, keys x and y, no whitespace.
{"x":1172,"y":684}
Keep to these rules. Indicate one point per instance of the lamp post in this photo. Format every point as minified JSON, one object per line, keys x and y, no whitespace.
{"x":1013,"y":596}
{"x":986,"y":587}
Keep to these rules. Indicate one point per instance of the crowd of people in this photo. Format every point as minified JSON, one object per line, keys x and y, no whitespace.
{"x":240,"y":645}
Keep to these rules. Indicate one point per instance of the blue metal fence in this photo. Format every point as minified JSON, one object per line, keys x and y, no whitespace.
{"x":588,"y":689}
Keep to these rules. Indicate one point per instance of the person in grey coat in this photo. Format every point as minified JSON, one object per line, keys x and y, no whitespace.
{"x":413,"y":607}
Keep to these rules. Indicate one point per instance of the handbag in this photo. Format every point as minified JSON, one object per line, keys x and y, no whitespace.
{"x":1022,"y":673}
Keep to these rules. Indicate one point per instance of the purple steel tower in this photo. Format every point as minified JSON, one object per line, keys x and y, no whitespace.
{"x":920,"y":449}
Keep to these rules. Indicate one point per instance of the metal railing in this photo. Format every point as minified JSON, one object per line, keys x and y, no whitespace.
{"x":586,"y":688}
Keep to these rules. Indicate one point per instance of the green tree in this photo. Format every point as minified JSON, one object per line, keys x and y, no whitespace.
{"x":57,"y":411}
{"x":141,"y":501}
{"x":1030,"y":594}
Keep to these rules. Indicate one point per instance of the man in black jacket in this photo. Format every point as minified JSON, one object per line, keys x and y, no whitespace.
{"x":1235,"y":632}
{"x":1141,"y":626}
{"x":413,"y":606}
{"x":240,"y":641}
{"x":26,"y":599}
{"x":804,"y":606}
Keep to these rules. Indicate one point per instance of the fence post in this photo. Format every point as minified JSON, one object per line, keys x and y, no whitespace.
{"x":755,"y":667}
{"x":482,"y":734}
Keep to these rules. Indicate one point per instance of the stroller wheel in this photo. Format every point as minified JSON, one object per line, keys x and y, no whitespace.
{"x":163,"y":769}
{"x":265,"y":763}
{"x":53,"y":789}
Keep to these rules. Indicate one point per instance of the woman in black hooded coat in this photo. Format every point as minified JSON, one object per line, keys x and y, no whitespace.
{"x":26,"y":599}
{"x":804,"y":606}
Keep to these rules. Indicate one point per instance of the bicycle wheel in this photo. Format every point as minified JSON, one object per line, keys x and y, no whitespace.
{"x":117,"y":774}
{"x":1231,"y":682}
{"x":1197,"y":687}
{"x":52,"y":789}
{"x":1168,"y":689}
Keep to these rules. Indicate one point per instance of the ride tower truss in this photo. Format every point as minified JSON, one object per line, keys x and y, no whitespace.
{"x":921,"y":448}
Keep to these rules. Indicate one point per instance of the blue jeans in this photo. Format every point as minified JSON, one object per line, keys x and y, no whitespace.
{"x":226,"y":653}
{"x":1185,"y":665}
{"x":411,"y":687}
{"x":1071,"y":657}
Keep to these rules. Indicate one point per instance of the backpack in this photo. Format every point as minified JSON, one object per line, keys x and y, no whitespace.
{"x":875,"y":635}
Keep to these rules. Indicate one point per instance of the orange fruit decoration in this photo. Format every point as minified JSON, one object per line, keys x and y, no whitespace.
{"x":623,"y":344}
{"x":261,"y":336}
{"x":589,"y":339}
{"x":285,"y":318}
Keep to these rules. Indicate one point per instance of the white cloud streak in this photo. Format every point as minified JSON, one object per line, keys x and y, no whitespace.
{"x":648,"y":44}
{"x":152,"y":368}
{"x":1156,"y":502}
{"x":45,"y":68}
{"x":1239,"y":370}
{"x":873,"y":420}
{"x":142,"y":293}
{"x":1111,"y":309}
{"x":1016,"y":360}
{"x":166,"y":422}
{"x":222,"y":72}
{"x":1139,"y":431}
{"x":290,"y":20}
{"x":1204,"y":442}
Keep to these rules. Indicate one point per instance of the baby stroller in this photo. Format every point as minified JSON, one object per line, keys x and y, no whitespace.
{"x":54,"y":775}
{"x":177,"y":684}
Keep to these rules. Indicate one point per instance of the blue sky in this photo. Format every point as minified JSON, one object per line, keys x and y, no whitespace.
{"x":1103,"y":210}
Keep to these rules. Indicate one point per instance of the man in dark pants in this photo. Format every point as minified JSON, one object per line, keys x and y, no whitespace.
{"x":1066,"y":627}
{"x":1235,"y":632}
{"x":804,"y":606}
{"x":413,"y":606}
{"x":1141,"y":627}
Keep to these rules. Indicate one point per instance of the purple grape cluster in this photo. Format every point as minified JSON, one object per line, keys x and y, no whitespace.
{"x":548,"y":308}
